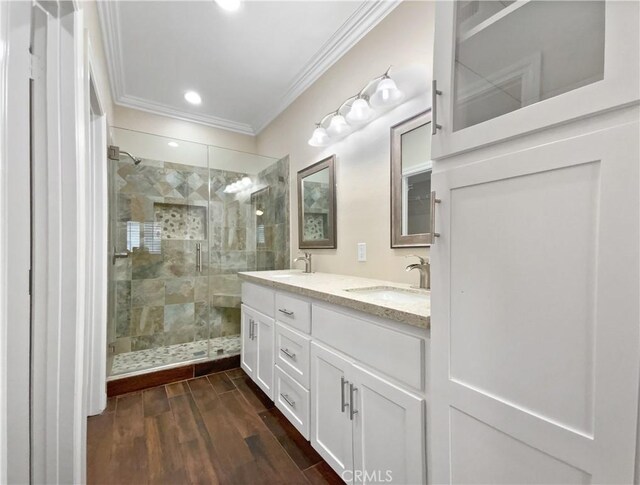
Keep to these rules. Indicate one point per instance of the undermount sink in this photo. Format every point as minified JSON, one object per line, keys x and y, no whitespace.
{"x":391,"y":294}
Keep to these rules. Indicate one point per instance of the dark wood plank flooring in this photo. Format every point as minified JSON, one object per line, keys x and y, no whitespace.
{"x":214,"y":429}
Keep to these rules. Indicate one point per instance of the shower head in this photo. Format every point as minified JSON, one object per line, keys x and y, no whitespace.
{"x":136,"y":161}
{"x":114,"y":154}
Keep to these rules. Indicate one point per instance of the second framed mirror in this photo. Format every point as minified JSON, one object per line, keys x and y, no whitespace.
{"x":317,"y":205}
{"x":411,"y":203}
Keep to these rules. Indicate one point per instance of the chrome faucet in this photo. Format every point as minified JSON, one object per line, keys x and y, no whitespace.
{"x":307,"y":261}
{"x":425,"y":270}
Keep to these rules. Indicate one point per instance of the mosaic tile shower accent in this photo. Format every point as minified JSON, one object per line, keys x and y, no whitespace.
{"x":161,"y":299}
{"x":181,"y":221}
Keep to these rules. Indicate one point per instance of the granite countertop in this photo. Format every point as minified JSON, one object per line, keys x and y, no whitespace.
{"x":332,"y":289}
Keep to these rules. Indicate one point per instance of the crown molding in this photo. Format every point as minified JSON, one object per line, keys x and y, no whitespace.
{"x":166,"y":110}
{"x":365,"y":18}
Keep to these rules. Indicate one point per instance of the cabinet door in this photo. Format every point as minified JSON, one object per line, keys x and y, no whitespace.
{"x":508,"y":68}
{"x":248,"y":354}
{"x":265,"y":337}
{"x":331,"y":433}
{"x":389,"y":432}
{"x":535,"y":341}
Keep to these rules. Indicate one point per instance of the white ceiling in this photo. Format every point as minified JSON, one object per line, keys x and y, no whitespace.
{"x":248,"y":65}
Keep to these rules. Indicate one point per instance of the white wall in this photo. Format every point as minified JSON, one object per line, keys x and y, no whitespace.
{"x":403,"y":38}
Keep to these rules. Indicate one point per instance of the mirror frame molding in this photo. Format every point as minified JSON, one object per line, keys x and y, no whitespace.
{"x":398,"y":240}
{"x":331,"y":242}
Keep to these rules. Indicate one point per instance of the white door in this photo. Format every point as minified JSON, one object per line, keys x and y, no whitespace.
{"x":331,"y":433}
{"x":508,"y":68}
{"x":265,"y":330}
{"x":388,"y":432}
{"x":535,"y":335}
{"x":249,"y":353}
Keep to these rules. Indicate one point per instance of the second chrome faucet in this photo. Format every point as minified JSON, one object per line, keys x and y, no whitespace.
{"x":307,"y":261}
{"x":424,"y":268}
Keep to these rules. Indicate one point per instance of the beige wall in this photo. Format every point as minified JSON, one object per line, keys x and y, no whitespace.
{"x":133,"y":119}
{"x":404,"y":37}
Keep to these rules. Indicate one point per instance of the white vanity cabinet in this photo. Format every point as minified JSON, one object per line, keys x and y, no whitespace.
{"x":258,"y":333}
{"x":367,"y":428}
{"x":509,"y":68}
{"x":351,"y":383}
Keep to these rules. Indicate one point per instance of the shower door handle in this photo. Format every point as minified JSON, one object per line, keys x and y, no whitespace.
{"x":117,"y":255}
{"x":199,"y":257}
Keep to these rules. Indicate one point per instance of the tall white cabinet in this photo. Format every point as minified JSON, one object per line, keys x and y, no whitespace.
{"x":535,"y":277}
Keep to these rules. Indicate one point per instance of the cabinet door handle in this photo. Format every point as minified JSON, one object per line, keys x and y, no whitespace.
{"x":289,"y":401}
{"x":434,"y":201}
{"x":255,"y":326}
{"x":434,"y":107}
{"x":352,"y":411}
{"x":286,"y":312}
{"x":250,"y":321}
{"x":343,"y":403}
{"x":288,"y":353}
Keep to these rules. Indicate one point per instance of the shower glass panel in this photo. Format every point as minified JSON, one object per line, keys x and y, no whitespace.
{"x":185,"y":221}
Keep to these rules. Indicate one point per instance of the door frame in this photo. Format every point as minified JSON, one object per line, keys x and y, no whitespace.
{"x":44,"y":417}
{"x":15,"y":232}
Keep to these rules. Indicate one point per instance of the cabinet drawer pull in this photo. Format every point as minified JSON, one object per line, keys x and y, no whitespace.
{"x":286,"y":312}
{"x":434,"y":107}
{"x":434,"y":201}
{"x":289,"y":401}
{"x":352,"y":411}
{"x":343,"y":403}
{"x":289,"y":354}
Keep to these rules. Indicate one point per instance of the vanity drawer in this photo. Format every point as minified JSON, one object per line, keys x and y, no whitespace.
{"x":293,"y":311}
{"x":259,"y":298}
{"x":397,"y":354}
{"x":293,"y":400}
{"x":292,"y":353}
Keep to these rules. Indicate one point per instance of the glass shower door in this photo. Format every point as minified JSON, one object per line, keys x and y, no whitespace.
{"x":161,"y":304}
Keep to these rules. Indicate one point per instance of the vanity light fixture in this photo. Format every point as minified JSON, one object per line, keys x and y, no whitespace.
{"x":192,"y":97}
{"x":173,"y":144}
{"x":360,"y":111}
{"x":320,"y":138}
{"x":387,"y":93}
{"x":380,"y":92}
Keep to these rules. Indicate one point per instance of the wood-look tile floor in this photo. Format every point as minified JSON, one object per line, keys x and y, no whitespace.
{"x":219,"y":428}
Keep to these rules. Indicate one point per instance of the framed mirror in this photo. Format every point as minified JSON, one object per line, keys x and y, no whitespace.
{"x":317,"y":205}
{"x":411,"y":204}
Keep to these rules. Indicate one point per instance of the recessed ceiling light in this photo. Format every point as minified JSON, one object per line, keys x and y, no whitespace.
{"x":192,"y":97}
{"x":229,"y":5}
{"x":173,"y":144}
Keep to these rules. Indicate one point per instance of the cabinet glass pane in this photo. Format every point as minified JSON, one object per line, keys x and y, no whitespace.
{"x":512,"y":54}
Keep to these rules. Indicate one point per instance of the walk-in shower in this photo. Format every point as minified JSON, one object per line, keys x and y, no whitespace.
{"x":184,"y":220}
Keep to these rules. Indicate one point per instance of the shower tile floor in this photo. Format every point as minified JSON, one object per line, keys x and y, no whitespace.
{"x":149,"y":359}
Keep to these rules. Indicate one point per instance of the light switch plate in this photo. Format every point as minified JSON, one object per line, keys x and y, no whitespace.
{"x":362,"y":252}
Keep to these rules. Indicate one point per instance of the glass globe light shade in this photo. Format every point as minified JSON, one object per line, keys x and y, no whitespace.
{"x":360,"y":111}
{"x":387,"y":93}
{"x":319,"y":137}
{"x":338,"y":126}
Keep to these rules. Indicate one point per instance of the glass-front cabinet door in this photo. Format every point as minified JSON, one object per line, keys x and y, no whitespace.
{"x":505,"y":68}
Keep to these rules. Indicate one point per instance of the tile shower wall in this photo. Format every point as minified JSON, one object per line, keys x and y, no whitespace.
{"x":160,"y":297}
